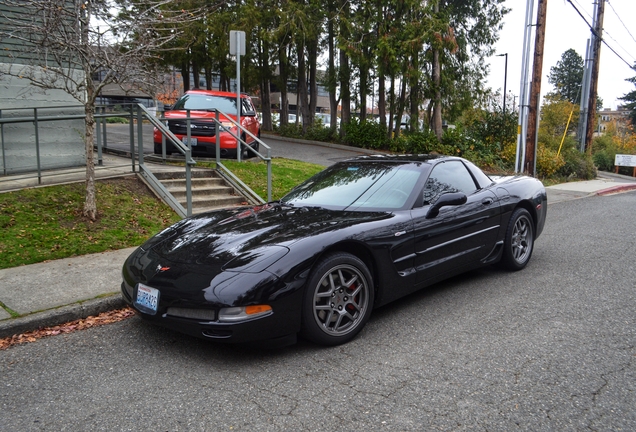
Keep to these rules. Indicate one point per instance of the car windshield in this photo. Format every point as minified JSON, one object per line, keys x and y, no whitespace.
{"x":358,"y":186}
{"x":203,"y":102}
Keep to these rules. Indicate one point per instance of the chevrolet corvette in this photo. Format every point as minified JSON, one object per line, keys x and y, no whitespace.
{"x":316,"y":263}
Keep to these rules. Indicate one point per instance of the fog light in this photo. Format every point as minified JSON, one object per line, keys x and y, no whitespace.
{"x":234,"y":314}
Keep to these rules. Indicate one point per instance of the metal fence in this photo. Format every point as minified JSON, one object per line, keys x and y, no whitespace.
{"x":25,"y":152}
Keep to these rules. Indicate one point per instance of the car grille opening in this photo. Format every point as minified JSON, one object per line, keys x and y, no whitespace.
{"x":219,"y":334}
{"x":199,"y":314}
{"x":197,"y":128}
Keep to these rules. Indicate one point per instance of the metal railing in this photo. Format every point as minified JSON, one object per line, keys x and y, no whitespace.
{"x":242,"y":146}
{"x":136,"y":114}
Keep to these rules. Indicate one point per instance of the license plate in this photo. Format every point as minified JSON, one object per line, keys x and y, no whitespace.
{"x":192,"y":141}
{"x":147,"y":299}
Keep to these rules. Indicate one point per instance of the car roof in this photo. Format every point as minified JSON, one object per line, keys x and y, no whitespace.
{"x":402,"y":158}
{"x":215,"y":93}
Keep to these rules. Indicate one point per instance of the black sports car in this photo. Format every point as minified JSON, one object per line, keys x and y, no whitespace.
{"x":354,"y":237}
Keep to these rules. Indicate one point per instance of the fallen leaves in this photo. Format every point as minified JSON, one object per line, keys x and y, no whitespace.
{"x":69,"y":327}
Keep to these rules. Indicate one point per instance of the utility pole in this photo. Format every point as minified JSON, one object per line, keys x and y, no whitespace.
{"x":529,"y":166}
{"x":596,"y":48}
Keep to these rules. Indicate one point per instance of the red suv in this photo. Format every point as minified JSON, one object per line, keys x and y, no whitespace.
{"x":202,"y":105}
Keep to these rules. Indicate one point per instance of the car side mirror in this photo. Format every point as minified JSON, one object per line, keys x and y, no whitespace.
{"x":167,"y":107}
{"x":447,"y":199}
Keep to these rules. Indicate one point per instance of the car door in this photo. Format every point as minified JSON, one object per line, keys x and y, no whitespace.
{"x":460,"y":234}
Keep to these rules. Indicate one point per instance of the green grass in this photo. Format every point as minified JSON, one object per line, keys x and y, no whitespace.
{"x":47,"y":223}
{"x":286,"y":173}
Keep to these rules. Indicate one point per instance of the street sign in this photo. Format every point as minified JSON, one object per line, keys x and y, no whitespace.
{"x":237,"y":40}
{"x":625,"y":160}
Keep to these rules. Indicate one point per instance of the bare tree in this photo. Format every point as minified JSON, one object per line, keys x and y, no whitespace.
{"x":63,"y":44}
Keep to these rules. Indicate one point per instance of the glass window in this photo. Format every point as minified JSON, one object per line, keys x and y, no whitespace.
{"x":202,"y":102}
{"x":451,"y":176}
{"x":356,"y":186}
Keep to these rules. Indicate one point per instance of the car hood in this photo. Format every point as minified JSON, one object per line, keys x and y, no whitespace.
{"x":237,"y":239}
{"x":197,"y":115}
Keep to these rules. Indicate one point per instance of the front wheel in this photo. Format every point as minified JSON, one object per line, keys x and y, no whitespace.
{"x":519,"y":241}
{"x":338,"y":300}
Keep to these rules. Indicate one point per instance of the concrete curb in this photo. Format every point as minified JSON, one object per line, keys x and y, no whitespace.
{"x":323,"y":144}
{"x":617,"y":189}
{"x":61,"y":315}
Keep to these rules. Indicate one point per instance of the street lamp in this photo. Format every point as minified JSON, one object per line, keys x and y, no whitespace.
{"x":505,"y":80}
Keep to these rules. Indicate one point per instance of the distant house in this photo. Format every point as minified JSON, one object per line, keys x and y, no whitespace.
{"x":619,"y":116}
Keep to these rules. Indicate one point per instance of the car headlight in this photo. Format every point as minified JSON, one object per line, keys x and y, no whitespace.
{"x":226,"y":126}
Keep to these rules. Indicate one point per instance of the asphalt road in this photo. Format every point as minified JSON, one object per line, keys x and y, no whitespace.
{"x":118,"y":137}
{"x":552,"y":347}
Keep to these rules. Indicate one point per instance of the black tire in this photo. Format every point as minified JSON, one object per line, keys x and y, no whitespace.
{"x":519,"y":241}
{"x":157,"y":148}
{"x":338,"y":300}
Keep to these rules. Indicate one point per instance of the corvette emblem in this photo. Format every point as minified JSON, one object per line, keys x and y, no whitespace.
{"x":160,"y":268}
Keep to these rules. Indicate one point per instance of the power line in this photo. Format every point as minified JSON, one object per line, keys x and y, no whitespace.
{"x":599,"y":36}
{"x":619,"y":18}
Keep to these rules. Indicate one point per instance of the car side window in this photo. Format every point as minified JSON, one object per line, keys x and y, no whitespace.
{"x":248,"y":108}
{"x":451,"y":176}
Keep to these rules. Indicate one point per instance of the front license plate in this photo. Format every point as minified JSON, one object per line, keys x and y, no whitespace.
{"x":192,"y":141}
{"x":147,"y":299}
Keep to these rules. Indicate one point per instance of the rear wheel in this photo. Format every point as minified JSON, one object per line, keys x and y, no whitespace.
{"x":338,"y":300}
{"x":519,"y":241}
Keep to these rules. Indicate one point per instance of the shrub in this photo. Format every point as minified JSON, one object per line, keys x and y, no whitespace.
{"x":604,"y":159}
{"x":291,"y":130}
{"x":117,"y":120}
{"x":548,"y":162}
{"x":365,"y":134}
{"x":318,"y":132}
{"x":577,"y":165}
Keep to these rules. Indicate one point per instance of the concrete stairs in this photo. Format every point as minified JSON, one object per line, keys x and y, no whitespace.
{"x":209,"y":191}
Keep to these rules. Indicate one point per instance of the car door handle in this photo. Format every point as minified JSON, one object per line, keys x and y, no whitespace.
{"x":487,"y":201}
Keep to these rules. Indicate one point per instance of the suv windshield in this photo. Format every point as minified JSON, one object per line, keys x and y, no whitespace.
{"x":357,"y":186}
{"x":203,"y":102}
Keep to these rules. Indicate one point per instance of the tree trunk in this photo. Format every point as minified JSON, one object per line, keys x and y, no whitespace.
{"x":302,"y":107}
{"x":331,"y":73}
{"x":382,"y":99}
{"x":266,"y":105}
{"x":282,"y":75}
{"x":208,"y":78}
{"x":196,"y":74}
{"x":185,"y":76}
{"x":437,"y":107}
{"x":90,"y":202}
{"x":345,"y":72}
{"x":391,"y":119}
{"x":364,"y":83}
{"x":313,"y":84}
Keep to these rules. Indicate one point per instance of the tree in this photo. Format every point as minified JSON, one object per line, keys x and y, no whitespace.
{"x":567,"y":76}
{"x":630,"y":99}
{"x":64,"y":50}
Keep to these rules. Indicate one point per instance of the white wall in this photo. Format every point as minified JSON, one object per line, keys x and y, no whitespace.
{"x":61,"y":142}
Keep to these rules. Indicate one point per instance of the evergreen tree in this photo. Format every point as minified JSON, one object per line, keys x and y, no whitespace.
{"x":567,"y":76}
{"x":630,"y":99}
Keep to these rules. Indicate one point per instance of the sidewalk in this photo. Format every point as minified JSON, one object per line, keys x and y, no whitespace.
{"x":54,"y":292}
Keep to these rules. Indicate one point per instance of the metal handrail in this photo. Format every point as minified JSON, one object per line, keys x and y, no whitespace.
{"x":139,"y":114}
{"x":223,"y":170}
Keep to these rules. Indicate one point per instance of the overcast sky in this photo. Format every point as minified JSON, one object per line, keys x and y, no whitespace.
{"x":566,"y":29}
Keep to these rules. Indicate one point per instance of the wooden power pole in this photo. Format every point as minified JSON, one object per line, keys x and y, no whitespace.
{"x":591,"y":103}
{"x":529,"y":166}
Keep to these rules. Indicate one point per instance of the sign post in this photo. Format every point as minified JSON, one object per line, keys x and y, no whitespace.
{"x":626,"y":161}
{"x":237,"y":48}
